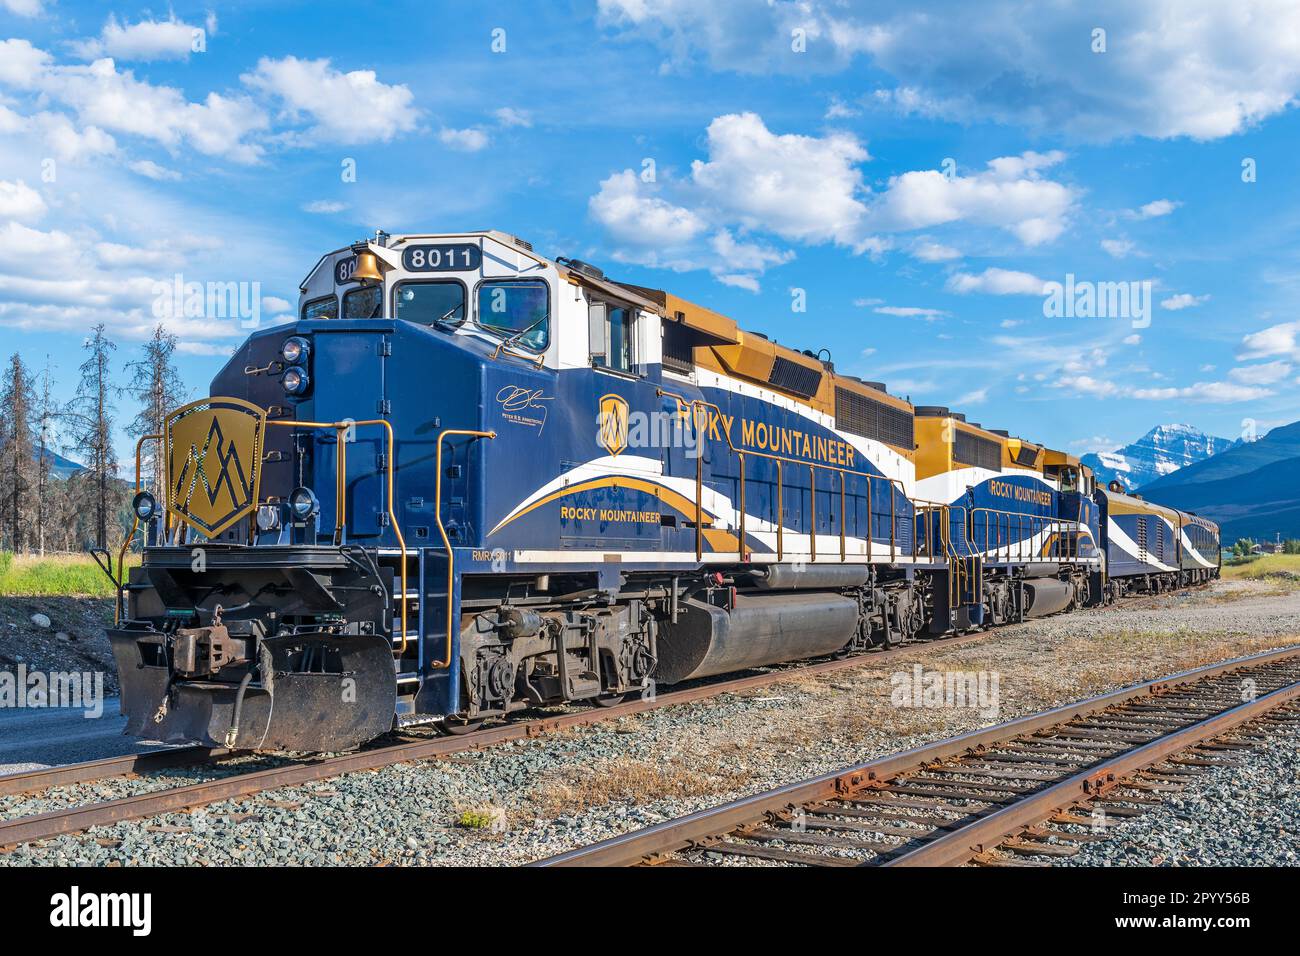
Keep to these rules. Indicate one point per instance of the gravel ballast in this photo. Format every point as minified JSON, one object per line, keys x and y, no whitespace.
{"x":518,"y":802}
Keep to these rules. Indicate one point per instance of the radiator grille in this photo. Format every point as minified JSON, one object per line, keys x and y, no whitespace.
{"x":864,"y":416}
{"x":792,"y":377}
{"x":977,"y":451}
{"x":679,"y":349}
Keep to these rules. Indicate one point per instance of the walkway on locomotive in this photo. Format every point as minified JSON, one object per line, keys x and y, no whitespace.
{"x":643,"y":384}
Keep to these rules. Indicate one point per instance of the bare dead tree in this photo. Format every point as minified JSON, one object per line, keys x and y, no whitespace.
{"x":158,"y":388}
{"x":18,"y":479}
{"x":90,"y":417}
{"x":44,"y":420}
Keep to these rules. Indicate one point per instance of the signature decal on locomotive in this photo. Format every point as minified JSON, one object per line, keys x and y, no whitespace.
{"x":214,"y":454}
{"x":523,"y":406}
{"x":613,"y":420}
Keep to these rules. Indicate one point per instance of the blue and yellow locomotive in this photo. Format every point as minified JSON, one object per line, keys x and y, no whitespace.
{"x":470,"y":480}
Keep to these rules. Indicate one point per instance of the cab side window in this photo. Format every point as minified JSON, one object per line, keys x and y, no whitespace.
{"x":364,"y":303}
{"x":326,"y":307}
{"x":613,"y":336}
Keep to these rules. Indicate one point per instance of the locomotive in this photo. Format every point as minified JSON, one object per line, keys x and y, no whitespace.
{"x":470,"y":480}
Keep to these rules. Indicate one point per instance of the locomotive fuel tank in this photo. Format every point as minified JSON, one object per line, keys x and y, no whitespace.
{"x":1044,"y":596}
{"x":760,"y":629}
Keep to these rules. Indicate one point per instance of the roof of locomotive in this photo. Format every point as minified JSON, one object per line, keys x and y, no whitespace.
{"x":729,"y":348}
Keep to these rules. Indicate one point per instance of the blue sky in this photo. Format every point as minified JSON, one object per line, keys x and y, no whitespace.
{"x":911,"y":174}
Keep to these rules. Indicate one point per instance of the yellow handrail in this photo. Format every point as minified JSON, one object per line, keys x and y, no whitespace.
{"x":135,"y":523}
{"x":446,"y":542}
{"x":780,"y":459}
{"x":340,"y":511}
{"x":1021,"y":517}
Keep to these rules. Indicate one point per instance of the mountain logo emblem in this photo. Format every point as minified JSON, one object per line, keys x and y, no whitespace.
{"x":612,"y":422}
{"x":214,"y":457}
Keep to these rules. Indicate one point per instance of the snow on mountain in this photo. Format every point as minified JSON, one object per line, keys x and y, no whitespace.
{"x":1159,"y":452}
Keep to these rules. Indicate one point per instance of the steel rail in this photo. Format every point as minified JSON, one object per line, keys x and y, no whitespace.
{"x":963,"y":844}
{"x":31,"y":781}
{"x":137,"y":806}
{"x":674,"y":835}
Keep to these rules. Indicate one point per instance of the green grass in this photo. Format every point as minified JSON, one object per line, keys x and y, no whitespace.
{"x":64,"y":574}
{"x":1263,"y":567}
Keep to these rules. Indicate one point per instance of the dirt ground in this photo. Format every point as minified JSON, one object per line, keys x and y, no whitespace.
{"x":74,"y":641}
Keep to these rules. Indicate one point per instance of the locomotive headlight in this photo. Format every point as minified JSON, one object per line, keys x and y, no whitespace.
{"x":303,"y":503}
{"x":295,"y":350}
{"x":295,"y":380}
{"x":144,"y":505}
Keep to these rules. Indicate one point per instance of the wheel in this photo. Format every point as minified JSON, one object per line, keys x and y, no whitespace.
{"x":457,"y":726}
{"x":609,"y":700}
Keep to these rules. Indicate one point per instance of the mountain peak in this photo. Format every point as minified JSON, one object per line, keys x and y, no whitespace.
{"x":1161,"y":451}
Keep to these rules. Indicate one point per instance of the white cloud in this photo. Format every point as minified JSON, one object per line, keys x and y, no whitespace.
{"x":147,"y":40}
{"x":151,"y":170}
{"x":345,"y":108}
{"x":996,"y":281}
{"x":913,"y":312}
{"x":935,"y":252}
{"x":275,"y":305}
{"x":1118,"y":248}
{"x":214,"y":349}
{"x":1275,"y":340}
{"x":1183,"y":300}
{"x":1267,"y":373}
{"x":1208,"y":392}
{"x":469,"y":140}
{"x":838,"y":109}
{"x":746,"y":256}
{"x":1088,"y":385}
{"x":1153,"y":209}
{"x":1197,"y":68}
{"x":107,"y":100}
{"x":1133,"y":339}
{"x":975,"y":397}
{"x":21,"y":64}
{"x":70,"y":144}
{"x":509,"y":116}
{"x":324,"y":206}
{"x":633,"y":216}
{"x":1009,"y":194}
{"x":804,"y":188}
{"x":23,"y":8}
{"x":20,"y":202}
{"x":748,"y":283}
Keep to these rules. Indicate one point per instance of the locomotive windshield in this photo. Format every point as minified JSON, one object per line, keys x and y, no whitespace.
{"x":431,"y":303}
{"x":513,"y":307}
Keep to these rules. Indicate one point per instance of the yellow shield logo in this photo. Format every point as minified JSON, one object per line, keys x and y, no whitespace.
{"x":612,"y":419}
{"x":214,"y":457}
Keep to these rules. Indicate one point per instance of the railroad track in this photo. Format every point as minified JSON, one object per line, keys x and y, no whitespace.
{"x":73,"y":819}
{"x":1020,"y":793}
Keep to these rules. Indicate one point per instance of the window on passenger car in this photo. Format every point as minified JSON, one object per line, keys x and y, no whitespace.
{"x":613,"y":339}
{"x":429,"y":303}
{"x":513,"y":306}
{"x":364,"y":303}
{"x":326,"y":307}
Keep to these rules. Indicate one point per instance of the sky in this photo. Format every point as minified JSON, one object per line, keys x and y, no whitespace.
{"x":912,"y":186}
